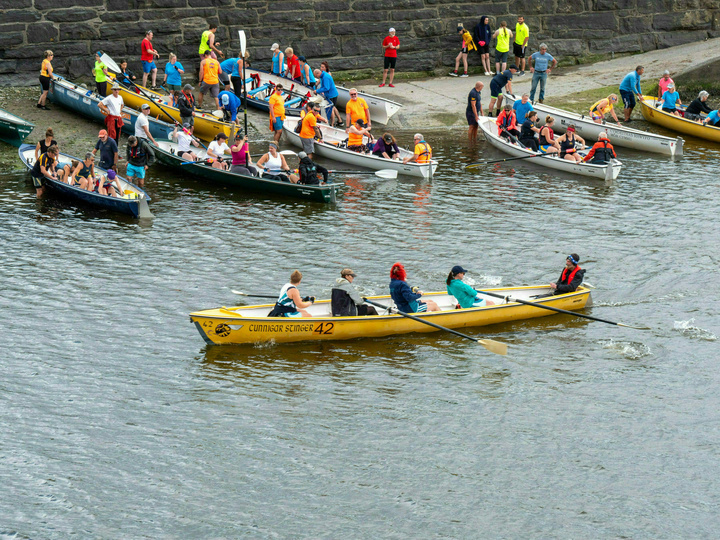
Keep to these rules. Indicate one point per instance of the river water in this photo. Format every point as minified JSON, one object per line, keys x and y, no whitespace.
{"x":119,"y":421}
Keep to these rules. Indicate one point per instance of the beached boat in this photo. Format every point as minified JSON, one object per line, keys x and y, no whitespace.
{"x":13,"y":129}
{"x":134,"y":203}
{"x":607,"y":172}
{"x":261,"y":85}
{"x":251,"y":324}
{"x":381,"y":109}
{"x":655,"y":115}
{"x":84,"y":101}
{"x":332,"y":148}
{"x":618,"y":135}
{"x":166,"y":153}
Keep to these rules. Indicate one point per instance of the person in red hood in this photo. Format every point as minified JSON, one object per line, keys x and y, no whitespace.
{"x":602,"y":151}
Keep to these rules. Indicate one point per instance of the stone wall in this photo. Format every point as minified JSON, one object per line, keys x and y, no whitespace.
{"x":347,"y":33}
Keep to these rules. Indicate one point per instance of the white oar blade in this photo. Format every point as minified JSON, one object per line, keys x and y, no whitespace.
{"x":243,"y":42}
{"x":110,"y":63}
{"x":288,"y":153}
{"x":387,"y":173}
{"x":238,"y":292}
{"x":496,"y":347}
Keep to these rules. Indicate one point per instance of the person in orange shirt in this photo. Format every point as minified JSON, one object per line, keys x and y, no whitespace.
{"x":210,"y":75}
{"x":355,"y":136}
{"x":310,"y":130}
{"x":277,"y":112}
{"x":356,"y":108}
{"x":423,"y":152}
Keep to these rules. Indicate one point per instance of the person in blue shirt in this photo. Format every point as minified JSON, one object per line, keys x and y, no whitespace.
{"x":229,"y":104}
{"x":629,"y":87}
{"x":670,"y":99}
{"x":498,"y":82}
{"x":465,"y":295}
{"x":713,"y":118}
{"x":327,"y":89}
{"x":541,"y":63}
{"x":173,"y":74}
{"x":407,"y":299}
{"x":522,"y":107}
{"x":226,"y":66}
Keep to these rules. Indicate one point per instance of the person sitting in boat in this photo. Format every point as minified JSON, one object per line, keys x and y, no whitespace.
{"x":571,"y":277}
{"x":275,"y":167}
{"x":663,"y":83}
{"x":528,"y":130}
{"x":697,"y":107}
{"x":386,"y":147}
{"x":670,"y":100}
{"x":230,"y":104}
{"x":407,"y":299}
{"x":600,"y":108}
{"x":184,"y":139}
{"x":568,"y":142}
{"x":83,"y":174}
{"x":713,"y":118}
{"x":140,"y":156}
{"x":522,"y":107}
{"x":423,"y":151}
{"x":345,"y":301}
{"x":218,"y":149}
{"x":507,"y":123}
{"x":109,"y":185}
{"x":289,"y":303}
{"x":42,"y":146}
{"x":466,"y":296}
{"x":498,"y":82}
{"x":310,"y":172}
{"x":241,"y":161}
{"x":546,"y":137}
{"x":602,"y":152}
{"x":125,"y":77}
{"x":355,"y":136}
{"x":45,"y":167}
{"x":186,"y":105}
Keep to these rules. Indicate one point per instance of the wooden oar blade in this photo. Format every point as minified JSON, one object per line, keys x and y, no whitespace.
{"x":472,"y":166}
{"x":387,"y":173}
{"x":493,"y":346}
{"x":635,"y":327}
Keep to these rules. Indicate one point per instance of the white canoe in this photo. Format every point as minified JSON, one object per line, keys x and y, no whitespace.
{"x":381,"y":109}
{"x":618,"y":135}
{"x":330,"y":148}
{"x":607,"y":172}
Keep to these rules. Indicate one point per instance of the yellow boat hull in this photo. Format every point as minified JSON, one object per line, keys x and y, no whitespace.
{"x":228,"y":325}
{"x":676,"y":123}
{"x":206,"y":125}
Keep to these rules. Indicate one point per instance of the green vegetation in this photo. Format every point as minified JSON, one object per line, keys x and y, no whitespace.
{"x":580,"y":102}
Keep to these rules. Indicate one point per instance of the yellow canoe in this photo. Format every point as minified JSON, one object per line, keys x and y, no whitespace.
{"x":206,"y":125}
{"x":250,"y":324}
{"x":676,"y":123}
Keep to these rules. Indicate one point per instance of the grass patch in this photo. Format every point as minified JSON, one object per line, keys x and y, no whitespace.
{"x":580,"y":102}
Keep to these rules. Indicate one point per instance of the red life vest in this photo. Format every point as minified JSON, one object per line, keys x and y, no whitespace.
{"x":571,"y":276}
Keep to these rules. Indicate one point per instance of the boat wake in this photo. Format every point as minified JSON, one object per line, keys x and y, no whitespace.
{"x":687,"y":328}
{"x":629,"y":349}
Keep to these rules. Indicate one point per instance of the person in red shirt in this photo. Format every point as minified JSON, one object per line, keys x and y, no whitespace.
{"x":147,"y":56}
{"x":390,"y":45}
{"x":293,"y":65}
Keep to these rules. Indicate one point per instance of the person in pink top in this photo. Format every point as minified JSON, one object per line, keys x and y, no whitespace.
{"x":390,"y":46}
{"x":663,"y":83}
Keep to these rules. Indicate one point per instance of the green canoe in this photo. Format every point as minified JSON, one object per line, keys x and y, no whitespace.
{"x":13,"y":129}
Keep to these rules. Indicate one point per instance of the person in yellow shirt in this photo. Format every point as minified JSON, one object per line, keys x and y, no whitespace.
{"x":210,"y":76}
{"x":522,"y":35}
{"x":599,"y":109}
{"x":502,"y":46}
{"x":468,"y":44}
{"x":46,"y":75}
{"x":310,"y":130}
{"x":277,"y":112}
{"x":423,"y":152}
{"x":356,"y":108}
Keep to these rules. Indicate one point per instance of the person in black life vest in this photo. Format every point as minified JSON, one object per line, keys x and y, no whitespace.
{"x":310,"y":171}
{"x":571,"y":277}
{"x":602,"y":151}
{"x":345,"y":300}
{"x":186,"y":105}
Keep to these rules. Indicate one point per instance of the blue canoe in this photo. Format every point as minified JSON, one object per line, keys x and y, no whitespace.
{"x":85,"y":102}
{"x":136,"y":204}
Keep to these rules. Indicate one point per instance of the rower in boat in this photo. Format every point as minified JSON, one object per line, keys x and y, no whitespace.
{"x":355,"y":136}
{"x":109,"y":185}
{"x":423,"y":151}
{"x":406,"y":298}
{"x":386,"y":147}
{"x":241,"y":160}
{"x":570,"y":278}
{"x":289,"y":303}
{"x":670,"y":99}
{"x":310,"y":172}
{"x":602,"y":152}
{"x":345,"y":301}
{"x":466,"y":296}
{"x":83,"y":173}
{"x":568,"y":142}
{"x":601,"y":108}
{"x":713,"y":118}
{"x":546,"y":138}
{"x":217,"y":149}
{"x":528,"y":130}
{"x":697,"y":107}
{"x":507,"y":122}
{"x":275,"y":167}
{"x":184,"y":139}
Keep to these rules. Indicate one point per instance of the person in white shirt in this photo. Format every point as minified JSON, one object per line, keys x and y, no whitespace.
{"x":142,"y":124}
{"x":217,"y":149}
{"x":112,"y":107}
{"x":184,"y":139}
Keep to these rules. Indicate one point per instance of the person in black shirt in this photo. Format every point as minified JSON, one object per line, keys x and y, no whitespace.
{"x":698,"y":106}
{"x":473,"y":111}
{"x":44,"y":167}
{"x":310,"y":171}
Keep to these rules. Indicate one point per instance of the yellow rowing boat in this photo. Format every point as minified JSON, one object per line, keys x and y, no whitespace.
{"x":657,"y":116}
{"x":250,"y":324}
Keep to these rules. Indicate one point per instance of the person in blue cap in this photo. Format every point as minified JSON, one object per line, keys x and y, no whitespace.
{"x":466,"y":296}
{"x":230,"y":104}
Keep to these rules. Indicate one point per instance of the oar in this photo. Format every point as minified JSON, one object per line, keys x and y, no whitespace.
{"x":496,"y":347}
{"x":558,"y":310}
{"x":382,"y":173}
{"x":476,"y":164}
{"x":274,"y":297}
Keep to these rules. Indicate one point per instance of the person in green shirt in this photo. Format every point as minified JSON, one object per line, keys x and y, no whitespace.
{"x":522,"y":36}
{"x":465,"y":295}
{"x":101,"y":75}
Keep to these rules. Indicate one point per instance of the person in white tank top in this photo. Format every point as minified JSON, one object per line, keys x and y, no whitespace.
{"x":274,"y":166}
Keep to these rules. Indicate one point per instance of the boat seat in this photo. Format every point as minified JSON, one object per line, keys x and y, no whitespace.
{"x":293,"y":101}
{"x":259,"y":89}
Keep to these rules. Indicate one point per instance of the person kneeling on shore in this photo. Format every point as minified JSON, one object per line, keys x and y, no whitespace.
{"x":466,"y":296}
{"x":386,"y":147}
{"x":289,"y":303}
{"x":345,"y":301}
{"x":602,"y":152}
{"x":407,"y":299}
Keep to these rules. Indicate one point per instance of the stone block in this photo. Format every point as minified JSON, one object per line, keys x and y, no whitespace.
{"x":528,"y":7}
{"x":618,"y":44}
{"x":469,"y":14}
{"x":332,"y":5}
{"x":648,"y":42}
{"x":71,"y":15}
{"x":121,"y":31}
{"x":9,"y":39}
{"x":357,"y":45}
{"x":635,"y":25}
{"x":43,"y":5}
{"x":270,"y":32}
{"x":210,"y":3}
{"x":20,"y":15}
{"x":670,"y":39}
{"x":602,"y":35}
{"x":286,"y":17}
{"x":427,"y":28}
{"x":116,"y":49}
{"x":600,"y":20}
{"x":372,"y":5}
{"x":15,"y":4}
{"x":238,"y":17}
{"x":77,"y":31}
{"x":356,"y":62}
{"x":317,"y":48}
{"x":422,"y":61}
{"x":362,"y":17}
{"x":8,"y":66}
{"x":577,"y":6}
{"x":14,"y":27}
{"x":79,"y":67}
{"x":414,"y":15}
{"x":347,"y":28}
{"x":613,"y":5}
{"x":66,"y":50}
{"x":25,"y":52}
{"x":653,"y":6}
{"x":42,"y":33}
{"x":325,"y":16}
{"x":565,"y":47}
{"x":318,"y":29}
{"x":688,"y":20}
{"x":120,"y":16}
{"x":155,"y":4}
{"x":123,"y":5}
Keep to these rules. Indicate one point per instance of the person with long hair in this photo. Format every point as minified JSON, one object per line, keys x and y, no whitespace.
{"x":483,"y":35}
{"x":46,"y":75}
{"x":43,"y":145}
{"x":465,"y":295}
{"x":546,"y":137}
{"x":386,"y":147}
{"x":467,"y":45}
{"x":406,"y":298}
{"x":502,"y":46}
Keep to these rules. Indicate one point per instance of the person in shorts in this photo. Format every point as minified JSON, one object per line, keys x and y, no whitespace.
{"x":147,"y":56}
{"x":473,"y":112}
{"x":522,"y":36}
{"x":390,"y":46}
{"x":210,"y":70}
{"x":45,"y":166}
{"x":498,"y":82}
{"x":310,"y":130}
{"x":139,"y":157}
{"x":630,"y":86}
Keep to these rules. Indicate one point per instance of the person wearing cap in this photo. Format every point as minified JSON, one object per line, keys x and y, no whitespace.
{"x":310,"y":172}
{"x":184,"y":138}
{"x":112,"y":107}
{"x":83,"y":174}
{"x":541,"y":64}
{"x":568,"y":144}
{"x":139,"y":156}
{"x":274,"y":166}
{"x":386,"y":147}
{"x":173,"y":73}
{"x":423,"y":152}
{"x":503,"y":80}
{"x":109,"y":185}
{"x":670,"y":100}
{"x":108,"y":151}
{"x":473,"y":111}
{"x":522,"y":36}
{"x":217,"y":150}
{"x":467,"y":44}
{"x":210,"y":77}
{"x":599,"y":109}
{"x":186,"y":105}
{"x":310,"y":130}
{"x":629,"y":88}
{"x":390,"y":46}
{"x":466,"y":296}
{"x":571,"y":277}
{"x":602,"y":152}
{"x":325,"y":87}
{"x":101,"y":75}
{"x":207,"y":43}
{"x":306,"y":73}
{"x":276,"y":108}
{"x":697,"y":107}
{"x":355,"y":137}
{"x":663,"y":83}
{"x":142,"y":124}
{"x":278,"y":60}
{"x":230,"y":104}
{"x":356,"y":108}
{"x":406,"y":298}
{"x":147,"y":56}
{"x":345,"y":301}
{"x":292,"y":69}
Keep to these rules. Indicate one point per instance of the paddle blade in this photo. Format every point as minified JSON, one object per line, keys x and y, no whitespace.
{"x":241,"y":33}
{"x":472,"y":166}
{"x":144,"y":210}
{"x":387,"y":173}
{"x":110,"y":63}
{"x":238,"y":292}
{"x":493,"y":346}
{"x":635,"y":327}
{"x":288,"y":153}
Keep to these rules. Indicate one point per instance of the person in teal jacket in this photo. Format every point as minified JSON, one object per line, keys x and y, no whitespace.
{"x":466,"y":296}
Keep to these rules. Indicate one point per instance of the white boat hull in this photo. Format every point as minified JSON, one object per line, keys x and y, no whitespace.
{"x":607,"y":172}
{"x":332,"y":151}
{"x":618,"y":135}
{"x":381,"y":109}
